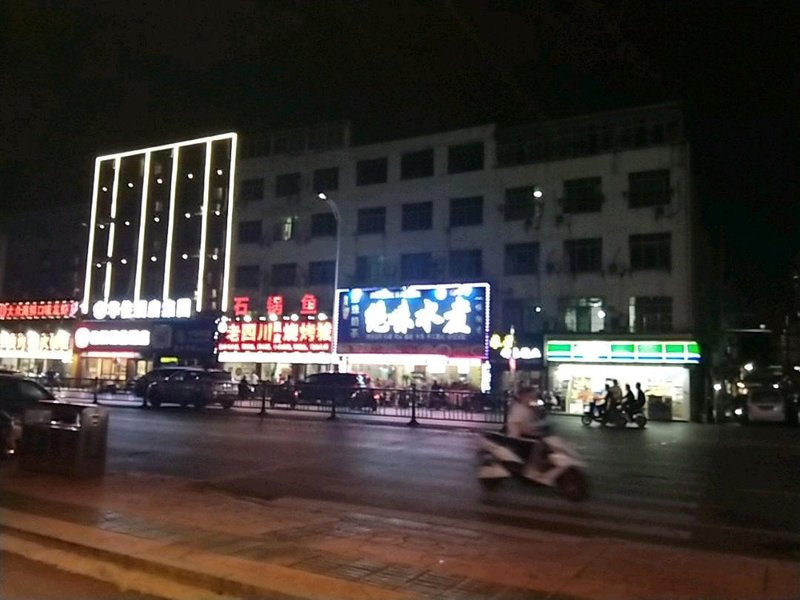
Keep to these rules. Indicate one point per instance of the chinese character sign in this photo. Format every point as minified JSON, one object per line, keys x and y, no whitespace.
{"x":45,"y":309}
{"x":277,"y":336}
{"x":274,"y":305}
{"x":450,"y":319}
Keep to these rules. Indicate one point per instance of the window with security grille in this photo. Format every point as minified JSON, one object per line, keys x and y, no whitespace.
{"x":649,"y":188}
{"x":371,"y":220}
{"x":323,"y":225}
{"x":467,"y":264}
{"x":247,"y":276}
{"x":521,"y":259}
{"x":417,"y":164}
{"x":584,"y":255}
{"x":465,"y":212}
{"x":648,"y":314}
{"x":465,"y":157}
{"x":582,"y":195}
{"x":326,"y":179}
{"x":416,"y":267}
{"x":417,"y":216}
{"x":251,"y":190}
{"x":370,"y":172}
{"x":287,"y":184}
{"x":651,"y":251}
{"x":249,"y":232}
{"x":321,"y":272}
{"x":284,"y":274}
{"x":519,"y":203}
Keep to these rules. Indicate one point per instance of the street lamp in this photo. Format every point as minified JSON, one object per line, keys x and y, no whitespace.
{"x":335,"y":210}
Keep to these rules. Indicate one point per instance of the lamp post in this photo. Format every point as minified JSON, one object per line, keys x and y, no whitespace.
{"x":335,"y":210}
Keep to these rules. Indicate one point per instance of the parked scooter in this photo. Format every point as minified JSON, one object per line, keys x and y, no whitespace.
{"x":546,"y":460}
{"x":617,"y":416}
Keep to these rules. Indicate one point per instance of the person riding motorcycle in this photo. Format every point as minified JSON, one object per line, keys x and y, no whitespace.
{"x":524,"y":422}
{"x":629,"y":402}
{"x":613,"y":399}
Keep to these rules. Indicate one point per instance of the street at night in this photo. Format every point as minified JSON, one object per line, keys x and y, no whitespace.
{"x":728,"y":488}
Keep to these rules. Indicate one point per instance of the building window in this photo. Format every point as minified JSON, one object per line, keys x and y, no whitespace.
{"x":416,"y":267}
{"x":647,"y":314}
{"x":648,"y":188}
{"x":323,"y":225}
{"x":249,"y":232}
{"x":370,"y":269}
{"x":521,"y":259}
{"x":284,"y":274}
{"x":465,"y":157}
{"x":582,"y":195}
{"x":247,"y":277}
{"x":326,"y":179}
{"x":372,"y":220}
{"x":585,"y":255}
{"x":583,"y":315}
{"x":285,"y":229}
{"x":465,"y":212}
{"x":651,"y":252}
{"x":369,"y":172}
{"x":417,"y":216}
{"x":520,"y":203}
{"x":417,"y":164}
{"x":287,"y":184}
{"x":251,"y":190}
{"x":466,"y":264}
{"x":321,"y":272}
{"x":521,"y":314}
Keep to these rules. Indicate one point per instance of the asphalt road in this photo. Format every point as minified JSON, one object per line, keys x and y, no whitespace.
{"x":728,"y":488}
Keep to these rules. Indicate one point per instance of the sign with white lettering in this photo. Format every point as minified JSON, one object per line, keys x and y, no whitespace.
{"x":446,"y":319}
{"x":34,"y":344}
{"x":105,"y":339}
{"x":142,"y":309}
{"x":276,"y":336}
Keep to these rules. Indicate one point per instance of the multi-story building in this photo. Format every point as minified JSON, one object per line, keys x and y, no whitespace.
{"x":585,"y":229}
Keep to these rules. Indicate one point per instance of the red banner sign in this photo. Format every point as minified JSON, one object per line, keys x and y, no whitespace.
{"x":277,"y":336}
{"x":46,"y":309}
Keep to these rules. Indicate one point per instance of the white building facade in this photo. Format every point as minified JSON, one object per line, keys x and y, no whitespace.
{"x":584,"y":229}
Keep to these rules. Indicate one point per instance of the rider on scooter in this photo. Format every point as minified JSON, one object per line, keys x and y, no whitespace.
{"x":524,"y":422}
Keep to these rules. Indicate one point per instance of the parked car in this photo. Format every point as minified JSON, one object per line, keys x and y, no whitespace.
{"x":141,"y":384}
{"x":193,"y":386}
{"x":17,"y":393}
{"x":351,"y":390}
{"x":766,"y":404}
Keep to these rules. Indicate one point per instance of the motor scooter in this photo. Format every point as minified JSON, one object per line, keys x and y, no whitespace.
{"x":547,"y":460}
{"x":617,"y":416}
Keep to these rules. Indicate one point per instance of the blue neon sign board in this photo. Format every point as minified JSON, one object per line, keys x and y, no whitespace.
{"x":450,"y":319}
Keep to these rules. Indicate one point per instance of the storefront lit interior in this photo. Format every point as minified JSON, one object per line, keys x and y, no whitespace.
{"x":400,"y":371}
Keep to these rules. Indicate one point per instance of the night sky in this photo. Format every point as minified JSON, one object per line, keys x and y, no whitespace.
{"x":80,"y":79}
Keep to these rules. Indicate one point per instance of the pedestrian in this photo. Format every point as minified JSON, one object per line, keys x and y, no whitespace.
{"x":244,"y":388}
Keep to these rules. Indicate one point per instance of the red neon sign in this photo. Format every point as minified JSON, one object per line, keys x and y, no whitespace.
{"x":308,"y":304}
{"x":241,"y":305}
{"x":44,"y":309}
{"x":277,"y":336}
{"x":274,"y":305}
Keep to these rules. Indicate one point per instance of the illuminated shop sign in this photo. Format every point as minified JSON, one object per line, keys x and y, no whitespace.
{"x":45,"y":309}
{"x":33,"y":344}
{"x":507,"y":348}
{"x":142,"y":309}
{"x":446,"y":319}
{"x":274,"y":305}
{"x":649,"y":352}
{"x":111,"y":338}
{"x":276,"y":336}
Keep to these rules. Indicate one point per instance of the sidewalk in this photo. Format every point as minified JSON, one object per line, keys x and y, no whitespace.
{"x":202,"y":539}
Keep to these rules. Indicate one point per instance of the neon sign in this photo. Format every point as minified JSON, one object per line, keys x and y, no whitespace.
{"x":622,"y":351}
{"x":274,"y":305}
{"x":32,"y":342}
{"x":143,"y":309}
{"x":277,"y":336}
{"x":508,"y":350}
{"x":447,"y":319}
{"x":111,"y":338}
{"x":45,"y":309}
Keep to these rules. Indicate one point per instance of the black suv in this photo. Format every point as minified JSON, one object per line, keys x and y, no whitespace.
{"x":142,"y":383}
{"x":348,"y":389}
{"x":195,"y":386}
{"x":17,"y":393}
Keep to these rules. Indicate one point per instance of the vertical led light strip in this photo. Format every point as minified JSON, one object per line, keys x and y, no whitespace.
{"x":111,"y":228}
{"x":227,"y":267}
{"x":173,"y":188}
{"x":87,"y":282}
{"x":137,"y":286}
{"x":203,"y":228}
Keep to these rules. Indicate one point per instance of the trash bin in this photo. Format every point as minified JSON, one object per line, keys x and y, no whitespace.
{"x":65,"y":439}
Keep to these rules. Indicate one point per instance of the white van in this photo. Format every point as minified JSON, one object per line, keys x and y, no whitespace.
{"x":766,"y":404}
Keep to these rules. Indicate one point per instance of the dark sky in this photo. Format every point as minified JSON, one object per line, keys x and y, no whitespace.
{"x":80,"y":79}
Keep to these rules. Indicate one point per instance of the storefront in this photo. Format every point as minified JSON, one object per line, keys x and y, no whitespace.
{"x":416,"y":334}
{"x":122,"y":349}
{"x":36,"y":337}
{"x":667,"y":369}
